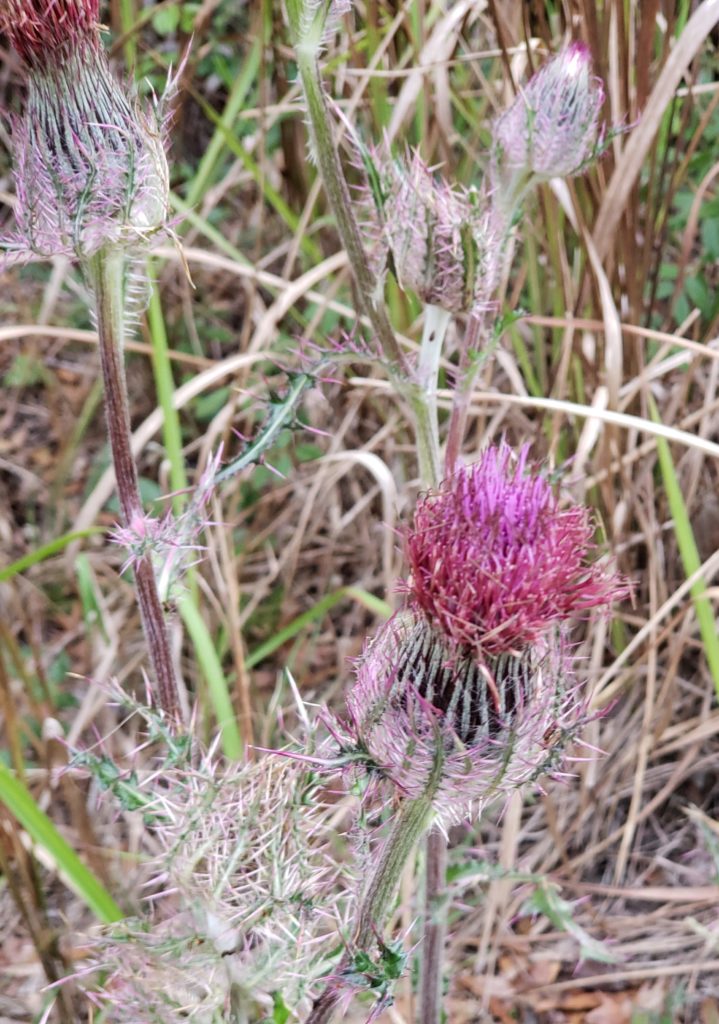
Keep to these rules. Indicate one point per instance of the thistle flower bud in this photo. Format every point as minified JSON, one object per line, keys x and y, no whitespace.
{"x":495,"y":562}
{"x":90,"y":164}
{"x":436,"y":720}
{"x":551,"y":129}
{"x":439,"y":237}
{"x":173,"y":541}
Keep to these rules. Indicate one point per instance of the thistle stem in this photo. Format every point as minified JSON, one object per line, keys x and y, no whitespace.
{"x":411,"y":821}
{"x":106,"y":273}
{"x":330,"y":167}
{"x":466,"y":373}
{"x":434,"y":930}
{"x":436,"y":322}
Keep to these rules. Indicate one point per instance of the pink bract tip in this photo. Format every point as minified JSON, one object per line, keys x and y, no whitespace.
{"x":38,"y":28}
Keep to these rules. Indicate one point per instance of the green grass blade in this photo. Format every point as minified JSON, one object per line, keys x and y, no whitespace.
{"x":689,"y":554}
{"x":375,"y":604}
{"x":212,"y":670}
{"x":199,"y":634}
{"x":46,"y":551}
{"x":244,"y":82}
{"x":81,"y":880}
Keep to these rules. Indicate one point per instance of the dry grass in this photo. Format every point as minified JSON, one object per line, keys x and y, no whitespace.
{"x":632,"y":838}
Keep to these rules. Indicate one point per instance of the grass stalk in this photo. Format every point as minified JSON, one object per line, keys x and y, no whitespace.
{"x":188,"y":605}
{"x":19,"y":801}
{"x":689,"y":554}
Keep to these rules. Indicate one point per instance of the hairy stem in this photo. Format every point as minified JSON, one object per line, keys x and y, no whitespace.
{"x":425,"y":437}
{"x":409,"y":825}
{"x":330,"y":167}
{"x":436,"y":322}
{"x":435,"y":928}
{"x":466,"y":372}
{"x":106,"y":273}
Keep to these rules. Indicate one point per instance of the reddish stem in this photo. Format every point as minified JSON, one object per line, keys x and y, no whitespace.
{"x":106,"y":271}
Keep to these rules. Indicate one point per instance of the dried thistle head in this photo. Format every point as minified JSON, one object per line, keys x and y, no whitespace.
{"x":436,"y":720}
{"x":439,"y":237}
{"x":495,"y":561}
{"x":90,"y":162}
{"x":552,"y":128}
{"x":248,"y":899}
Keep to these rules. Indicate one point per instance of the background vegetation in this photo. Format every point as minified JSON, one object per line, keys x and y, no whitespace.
{"x":616,"y":280}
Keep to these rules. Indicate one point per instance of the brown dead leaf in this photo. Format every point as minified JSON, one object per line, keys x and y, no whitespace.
{"x":614,"y":1008}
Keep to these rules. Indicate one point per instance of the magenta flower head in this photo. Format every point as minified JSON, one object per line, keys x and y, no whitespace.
{"x":471,"y":691}
{"x":90,"y":164}
{"x":551,"y":129}
{"x":495,"y":562}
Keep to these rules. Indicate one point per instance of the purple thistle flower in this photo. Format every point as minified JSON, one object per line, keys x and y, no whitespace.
{"x":39,"y":27}
{"x":551,"y":129}
{"x":433,"y":720}
{"x":90,"y":164}
{"x":495,"y":562}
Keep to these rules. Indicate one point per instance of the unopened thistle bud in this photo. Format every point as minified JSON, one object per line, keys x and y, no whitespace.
{"x":551,"y":129}
{"x":439,"y":237}
{"x":90,"y":164}
{"x":470,"y":692}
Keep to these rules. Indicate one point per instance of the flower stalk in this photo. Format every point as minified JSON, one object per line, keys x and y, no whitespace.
{"x":106,"y":271}
{"x":328,"y":162}
{"x":410,"y":824}
{"x":434,"y":917}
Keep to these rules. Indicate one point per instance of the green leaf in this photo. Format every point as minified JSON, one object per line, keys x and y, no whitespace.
{"x":689,"y":552}
{"x":81,"y":880}
{"x":46,"y":551}
{"x":546,"y":900}
{"x":166,"y":21}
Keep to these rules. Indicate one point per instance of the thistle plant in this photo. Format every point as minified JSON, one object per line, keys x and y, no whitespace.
{"x":470,"y":692}
{"x":92,"y":184}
